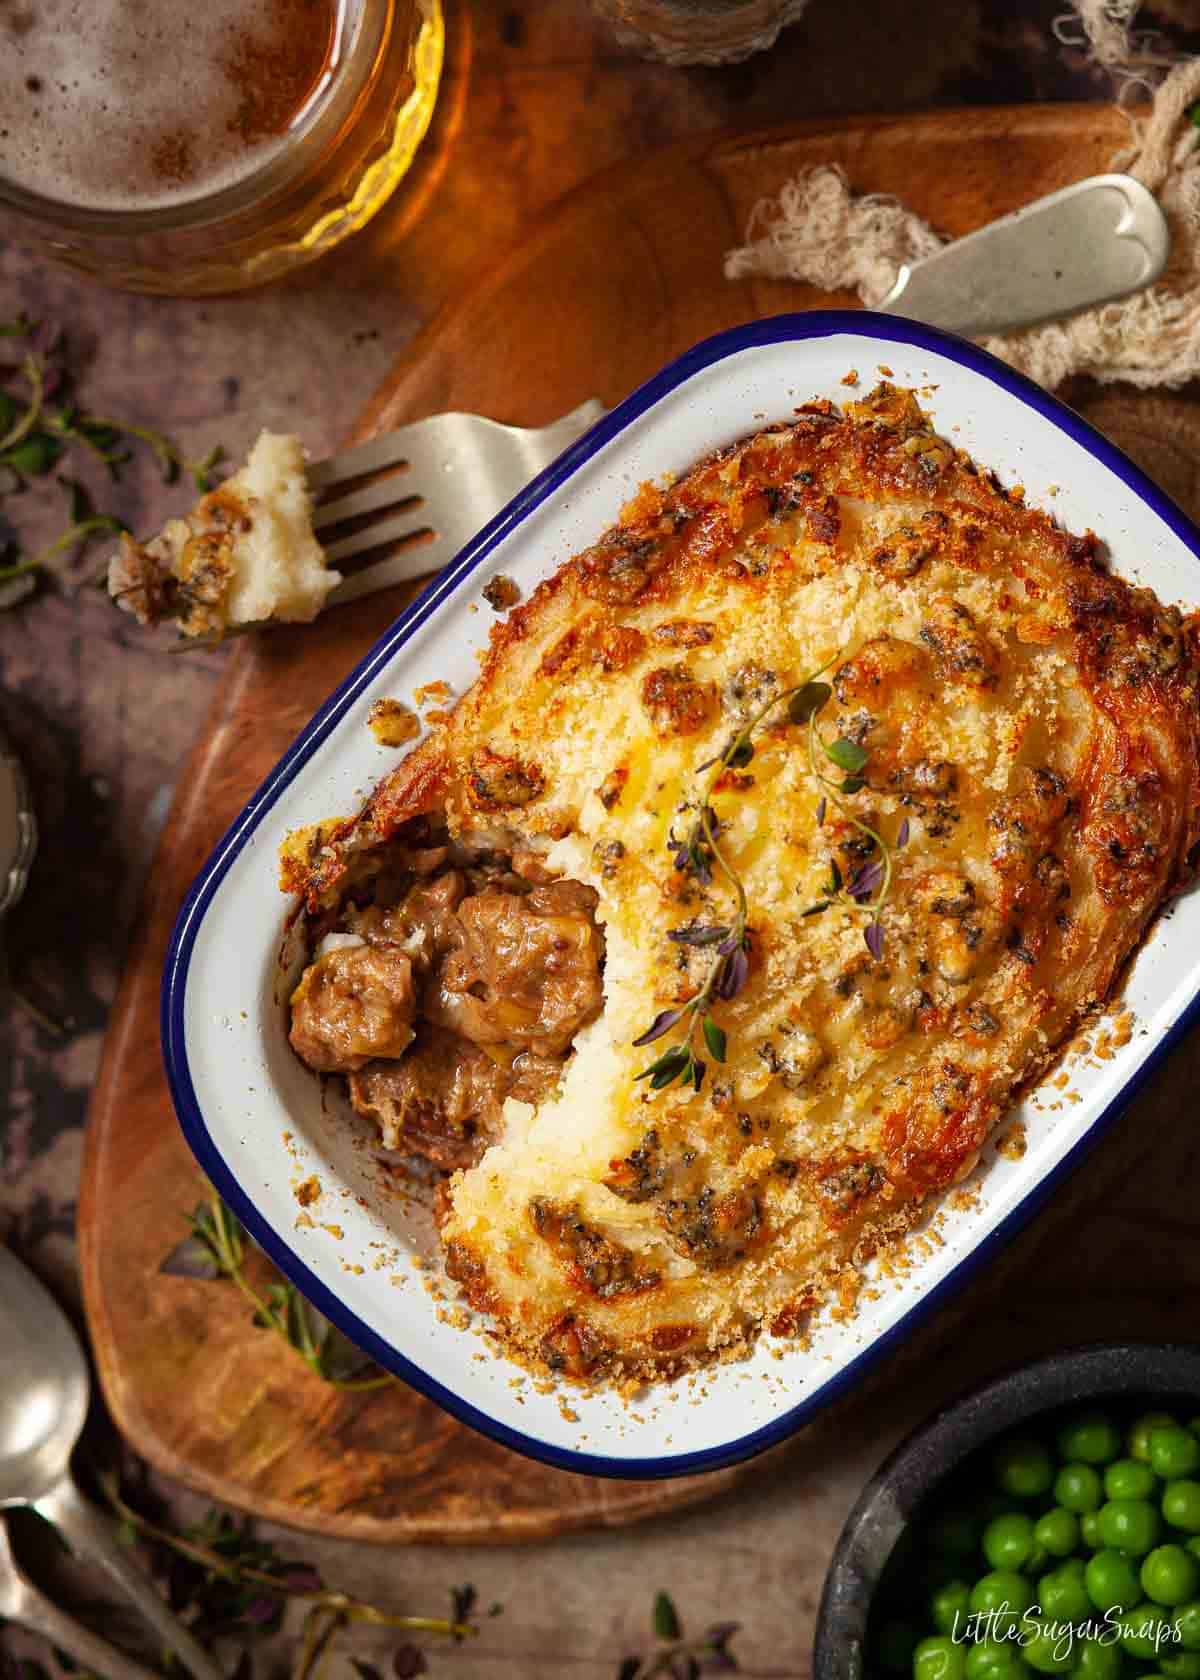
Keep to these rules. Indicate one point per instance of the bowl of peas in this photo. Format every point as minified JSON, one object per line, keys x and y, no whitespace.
{"x":1045,"y":1524}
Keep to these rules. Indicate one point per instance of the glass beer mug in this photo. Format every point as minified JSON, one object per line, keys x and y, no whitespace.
{"x":189,"y":146}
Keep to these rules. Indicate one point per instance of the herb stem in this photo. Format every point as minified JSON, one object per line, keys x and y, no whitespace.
{"x":229,"y":1255}
{"x":31,"y":367}
{"x":338,"y":1603}
{"x":728,"y":968}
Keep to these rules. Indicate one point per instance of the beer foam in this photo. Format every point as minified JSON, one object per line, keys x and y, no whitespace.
{"x":146,"y":104}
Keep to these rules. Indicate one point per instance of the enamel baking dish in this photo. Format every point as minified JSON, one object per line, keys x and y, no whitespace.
{"x":366,"y":1255}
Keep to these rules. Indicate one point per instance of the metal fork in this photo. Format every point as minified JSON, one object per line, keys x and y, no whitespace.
{"x":403,"y":505}
{"x":21,"y":1602}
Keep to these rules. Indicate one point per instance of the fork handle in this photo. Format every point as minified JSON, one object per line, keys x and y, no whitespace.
{"x":23,"y":1603}
{"x":88,"y":1532}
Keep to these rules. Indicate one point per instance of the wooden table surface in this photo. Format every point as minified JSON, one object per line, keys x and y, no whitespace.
{"x":536,"y":98}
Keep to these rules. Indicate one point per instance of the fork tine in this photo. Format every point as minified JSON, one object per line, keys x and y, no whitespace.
{"x":390,"y":450}
{"x":389,"y":492}
{"x":377,"y":535}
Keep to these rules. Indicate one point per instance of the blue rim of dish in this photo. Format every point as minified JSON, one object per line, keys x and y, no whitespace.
{"x":773,"y":330}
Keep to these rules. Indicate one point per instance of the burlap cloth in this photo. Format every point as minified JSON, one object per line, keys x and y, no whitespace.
{"x":820,"y":231}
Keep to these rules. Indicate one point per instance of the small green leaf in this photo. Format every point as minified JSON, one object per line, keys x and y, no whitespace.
{"x":807,"y":701}
{"x":853,"y":784}
{"x":740,"y":754}
{"x":816,"y":909}
{"x":715,"y":1038}
{"x":847,"y":755}
{"x":675,"y":1064}
{"x":666,"y":1619}
{"x":192,"y":1258}
{"x":34,"y":455}
{"x":835,"y":877}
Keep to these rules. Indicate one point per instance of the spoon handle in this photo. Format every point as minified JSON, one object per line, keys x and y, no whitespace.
{"x":90,"y":1534}
{"x":23,"y":1603}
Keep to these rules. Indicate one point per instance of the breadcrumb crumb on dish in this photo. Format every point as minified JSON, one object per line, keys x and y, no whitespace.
{"x":246,"y":554}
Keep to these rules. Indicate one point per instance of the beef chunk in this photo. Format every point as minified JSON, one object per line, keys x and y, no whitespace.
{"x":353,"y":1004}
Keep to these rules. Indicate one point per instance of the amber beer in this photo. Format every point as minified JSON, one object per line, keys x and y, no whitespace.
{"x":204,"y":145}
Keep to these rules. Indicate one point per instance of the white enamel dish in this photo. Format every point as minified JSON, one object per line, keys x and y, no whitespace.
{"x":255,"y":1117}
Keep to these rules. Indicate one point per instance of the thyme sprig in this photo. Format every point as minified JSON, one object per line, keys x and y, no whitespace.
{"x":700,"y":850}
{"x":696,"y":854}
{"x":41,"y":425}
{"x":216,"y":1248}
{"x":678,"y":1657}
{"x":869,"y":886}
{"x":230,"y":1583}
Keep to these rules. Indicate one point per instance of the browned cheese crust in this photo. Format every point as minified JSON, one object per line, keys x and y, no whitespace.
{"x":1032,"y":717}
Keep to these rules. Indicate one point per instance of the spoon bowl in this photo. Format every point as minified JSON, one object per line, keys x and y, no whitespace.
{"x":43,"y":1386}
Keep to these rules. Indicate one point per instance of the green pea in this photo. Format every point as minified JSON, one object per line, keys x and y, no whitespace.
{"x":1111,"y":1581}
{"x":1024,"y":1468}
{"x":1077,"y":1487}
{"x":1063,"y":1594}
{"x":1045,"y":1647}
{"x":1181,"y":1505}
{"x":1098,"y":1662}
{"x":1174,"y":1452}
{"x":1057,"y":1532}
{"x":1128,"y":1478}
{"x":1187,"y":1620}
{"x":1008,"y":1541}
{"x":996,"y":1660}
{"x":897,"y":1641}
{"x":1003,"y":1595}
{"x":1146,"y":1631}
{"x":939,"y":1658}
{"x":1094,"y":1661}
{"x":948,"y":1606}
{"x":1137,"y":1441}
{"x":1129,"y":1525}
{"x":1089,"y":1530}
{"x":1170,"y":1575}
{"x":1089,"y":1438}
{"x":1181,"y":1665}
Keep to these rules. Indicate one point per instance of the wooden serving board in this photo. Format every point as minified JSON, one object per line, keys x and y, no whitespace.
{"x":622,"y":276}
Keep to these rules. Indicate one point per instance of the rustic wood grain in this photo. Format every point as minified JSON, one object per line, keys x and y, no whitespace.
{"x":622,"y":276}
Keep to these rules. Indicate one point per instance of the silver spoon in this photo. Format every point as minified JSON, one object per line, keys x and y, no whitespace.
{"x":44,"y":1384}
{"x":21,"y":1602}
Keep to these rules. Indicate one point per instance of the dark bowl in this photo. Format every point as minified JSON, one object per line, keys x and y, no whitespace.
{"x":1150,"y":1371}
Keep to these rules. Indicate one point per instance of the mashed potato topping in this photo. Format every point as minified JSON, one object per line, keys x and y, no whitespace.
{"x":245,"y":554}
{"x":948,"y":849}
